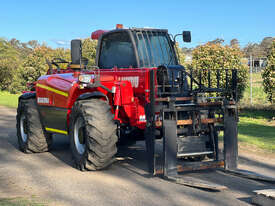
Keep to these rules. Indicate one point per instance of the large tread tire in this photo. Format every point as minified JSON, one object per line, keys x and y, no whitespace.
{"x":99,"y":134}
{"x":31,"y":139}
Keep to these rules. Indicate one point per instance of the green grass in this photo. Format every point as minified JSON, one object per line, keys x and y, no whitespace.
{"x":21,"y":202}
{"x":8,"y":99}
{"x":256,"y":127}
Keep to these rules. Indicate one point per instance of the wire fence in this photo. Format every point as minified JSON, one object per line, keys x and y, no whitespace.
{"x":257,"y":69}
{"x":254,"y":94}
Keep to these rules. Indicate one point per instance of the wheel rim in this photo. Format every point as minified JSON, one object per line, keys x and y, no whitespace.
{"x":23,"y":128}
{"x":79,"y":135}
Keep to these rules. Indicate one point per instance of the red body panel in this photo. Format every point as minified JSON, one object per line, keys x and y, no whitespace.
{"x":131,"y":92}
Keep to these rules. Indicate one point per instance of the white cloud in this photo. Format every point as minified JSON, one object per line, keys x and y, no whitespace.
{"x":62,"y":43}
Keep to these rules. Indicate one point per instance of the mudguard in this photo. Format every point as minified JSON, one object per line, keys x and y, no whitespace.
{"x":95,"y":94}
{"x":28,"y":95}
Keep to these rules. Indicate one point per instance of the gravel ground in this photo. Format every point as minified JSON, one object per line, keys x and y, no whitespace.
{"x":52,"y":177}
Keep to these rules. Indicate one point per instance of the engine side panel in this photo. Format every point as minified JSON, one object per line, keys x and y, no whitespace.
{"x":53,"y":94}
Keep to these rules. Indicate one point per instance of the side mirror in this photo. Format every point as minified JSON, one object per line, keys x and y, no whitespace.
{"x":76,"y":51}
{"x":186,"y":36}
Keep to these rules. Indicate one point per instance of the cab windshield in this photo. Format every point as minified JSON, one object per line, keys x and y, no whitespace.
{"x":154,"y":48}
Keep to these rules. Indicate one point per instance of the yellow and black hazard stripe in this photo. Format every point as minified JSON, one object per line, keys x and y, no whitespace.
{"x":56,"y":130}
{"x":52,"y":90}
{"x":54,"y":119}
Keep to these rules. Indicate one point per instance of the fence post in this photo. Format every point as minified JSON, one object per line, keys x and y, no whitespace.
{"x":250,"y":78}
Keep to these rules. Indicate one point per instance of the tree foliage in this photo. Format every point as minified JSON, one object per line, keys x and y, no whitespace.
{"x":217,"y":41}
{"x":32,"y":67}
{"x":89,"y":50}
{"x":180,"y":54}
{"x":258,"y":50}
{"x":215,"y":56}
{"x":62,"y":54}
{"x":266,"y":45}
{"x":33,"y":64}
{"x":234,"y":43}
{"x":9,"y":58}
{"x":269,"y":75}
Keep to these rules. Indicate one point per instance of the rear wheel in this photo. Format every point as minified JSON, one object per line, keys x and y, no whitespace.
{"x":92,"y":134}
{"x":31,"y":136}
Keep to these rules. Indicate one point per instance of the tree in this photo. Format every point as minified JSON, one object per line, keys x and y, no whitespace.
{"x":180,"y":54}
{"x":252,"y":49}
{"x":9,"y":60}
{"x":23,"y":49}
{"x":266,"y":45}
{"x":234,"y":43}
{"x":62,"y":54}
{"x":33,"y":44}
{"x":186,"y":50}
{"x":6,"y":72}
{"x":216,"y":56}
{"x":258,"y":50}
{"x":89,"y":50}
{"x":6,"y":49}
{"x":269,"y":75}
{"x":216,"y":41}
{"x":32,"y":67}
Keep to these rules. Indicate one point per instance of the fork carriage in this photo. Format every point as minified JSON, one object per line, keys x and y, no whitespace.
{"x":189,"y":123}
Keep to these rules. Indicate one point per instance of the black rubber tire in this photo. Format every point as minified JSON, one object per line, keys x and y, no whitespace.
{"x":37,"y":140}
{"x":99,"y":134}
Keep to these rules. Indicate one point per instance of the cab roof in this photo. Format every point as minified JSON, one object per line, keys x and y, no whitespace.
{"x":96,"y":34}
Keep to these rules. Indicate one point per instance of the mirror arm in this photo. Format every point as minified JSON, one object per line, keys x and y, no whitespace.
{"x":174,"y":39}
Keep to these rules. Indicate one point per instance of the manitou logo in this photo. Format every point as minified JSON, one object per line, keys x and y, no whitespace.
{"x":134,"y":80}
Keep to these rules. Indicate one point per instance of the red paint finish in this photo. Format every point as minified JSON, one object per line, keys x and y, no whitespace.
{"x":96,"y":34}
{"x":130,"y":87}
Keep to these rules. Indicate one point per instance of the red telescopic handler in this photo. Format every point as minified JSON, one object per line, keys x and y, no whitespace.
{"x":137,"y":91}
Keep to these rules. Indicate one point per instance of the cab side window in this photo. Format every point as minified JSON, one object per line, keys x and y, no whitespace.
{"x":117,"y":50}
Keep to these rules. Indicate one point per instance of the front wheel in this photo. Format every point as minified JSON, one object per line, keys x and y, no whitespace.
{"x":92,"y":134}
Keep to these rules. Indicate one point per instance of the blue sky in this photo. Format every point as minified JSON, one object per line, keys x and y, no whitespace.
{"x":60,"y":21}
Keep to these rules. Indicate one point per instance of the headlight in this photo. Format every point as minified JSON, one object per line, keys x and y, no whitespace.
{"x":84,"y":78}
